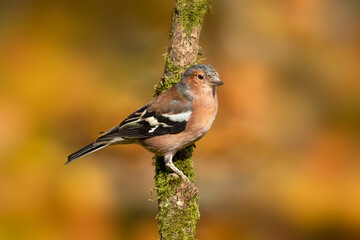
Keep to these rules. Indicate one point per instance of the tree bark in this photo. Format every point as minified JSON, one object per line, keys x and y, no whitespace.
{"x":177,"y":201}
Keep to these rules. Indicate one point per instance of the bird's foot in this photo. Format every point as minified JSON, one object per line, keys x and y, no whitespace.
{"x":190,"y":188}
{"x":186,"y":185}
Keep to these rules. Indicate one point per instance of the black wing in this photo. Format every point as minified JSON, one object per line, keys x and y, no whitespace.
{"x":144,"y":124}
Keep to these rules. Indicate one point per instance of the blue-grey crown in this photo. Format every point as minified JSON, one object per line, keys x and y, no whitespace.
{"x":207,"y":69}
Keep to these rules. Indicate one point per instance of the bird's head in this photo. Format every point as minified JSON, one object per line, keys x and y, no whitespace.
{"x":201,"y":74}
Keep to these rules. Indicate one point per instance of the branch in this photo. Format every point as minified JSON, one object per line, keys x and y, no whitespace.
{"x":177,"y":201}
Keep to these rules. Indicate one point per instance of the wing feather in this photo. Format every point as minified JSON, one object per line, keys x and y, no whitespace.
{"x":166,"y":114}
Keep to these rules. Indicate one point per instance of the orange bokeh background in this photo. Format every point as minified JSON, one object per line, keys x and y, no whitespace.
{"x":282,"y":160}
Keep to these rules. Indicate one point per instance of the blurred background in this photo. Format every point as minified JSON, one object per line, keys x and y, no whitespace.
{"x":282,"y":160}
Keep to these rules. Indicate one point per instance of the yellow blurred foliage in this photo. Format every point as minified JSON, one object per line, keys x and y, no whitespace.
{"x":280,"y":162}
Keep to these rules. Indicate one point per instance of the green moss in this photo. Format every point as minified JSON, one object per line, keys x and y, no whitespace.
{"x":170,"y":79}
{"x":192,"y":13}
{"x":176,"y":222}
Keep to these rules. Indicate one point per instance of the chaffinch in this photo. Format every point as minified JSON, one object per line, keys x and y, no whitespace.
{"x":171,"y":121}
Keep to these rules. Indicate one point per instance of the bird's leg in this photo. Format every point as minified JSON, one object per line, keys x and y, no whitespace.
{"x":169,"y":163}
{"x":187,"y":189}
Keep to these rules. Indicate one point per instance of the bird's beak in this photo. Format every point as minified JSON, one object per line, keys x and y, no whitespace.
{"x":215,"y":81}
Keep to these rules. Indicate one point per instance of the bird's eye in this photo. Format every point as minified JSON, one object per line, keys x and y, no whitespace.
{"x":200,"y":76}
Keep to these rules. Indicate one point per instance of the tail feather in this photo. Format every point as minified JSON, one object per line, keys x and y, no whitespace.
{"x":92,"y":147}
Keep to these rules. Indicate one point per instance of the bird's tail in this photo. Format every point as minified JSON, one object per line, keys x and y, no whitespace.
{"x":92,"y":147}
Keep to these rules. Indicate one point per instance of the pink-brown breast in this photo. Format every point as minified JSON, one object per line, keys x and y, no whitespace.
{"x":204,"y":112}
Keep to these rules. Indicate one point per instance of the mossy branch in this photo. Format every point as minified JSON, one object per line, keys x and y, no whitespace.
{"x":178,"y":203}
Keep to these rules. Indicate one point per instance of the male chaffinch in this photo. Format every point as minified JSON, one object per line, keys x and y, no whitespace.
{"x":171,"y":121}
